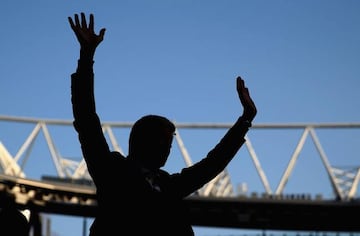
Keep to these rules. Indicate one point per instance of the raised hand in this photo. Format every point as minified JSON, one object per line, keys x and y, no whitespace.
{"x":85,"y":34}
{"x":248,"y":104}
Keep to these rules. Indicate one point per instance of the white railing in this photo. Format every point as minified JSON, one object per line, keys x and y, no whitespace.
{"x":344,"y":181}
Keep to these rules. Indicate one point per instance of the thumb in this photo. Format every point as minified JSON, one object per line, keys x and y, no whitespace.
{"x":102,"y":33}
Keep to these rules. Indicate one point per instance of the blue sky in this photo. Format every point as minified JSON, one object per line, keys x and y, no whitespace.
{"x":300,"y":60}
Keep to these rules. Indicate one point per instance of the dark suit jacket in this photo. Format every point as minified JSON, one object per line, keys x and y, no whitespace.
{"x":127,"y":203}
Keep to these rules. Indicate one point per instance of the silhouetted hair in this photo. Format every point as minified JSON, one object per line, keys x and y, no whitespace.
{"x":146,"y":129}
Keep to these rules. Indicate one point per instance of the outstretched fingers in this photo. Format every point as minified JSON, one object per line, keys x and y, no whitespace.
{"x":240,"y":84}
{"x":83,"y":20}
{"x":84,"y":31}
{"x":75,"y":24}
{"x":71,"y":22}
{"x":91,"y":24}
{"x":245,"y":98}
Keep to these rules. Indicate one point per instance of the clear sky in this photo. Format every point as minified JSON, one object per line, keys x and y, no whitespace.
{"x":300,"y":60}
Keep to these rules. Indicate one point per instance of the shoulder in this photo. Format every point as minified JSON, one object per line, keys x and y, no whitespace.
{"x":118,"y":156}
{"x":164,"y":173}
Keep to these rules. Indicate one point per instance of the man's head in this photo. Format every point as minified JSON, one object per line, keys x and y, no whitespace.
{"x":150,"y":140}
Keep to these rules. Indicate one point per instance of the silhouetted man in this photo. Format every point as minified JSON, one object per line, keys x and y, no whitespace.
{"x":135,"y":196}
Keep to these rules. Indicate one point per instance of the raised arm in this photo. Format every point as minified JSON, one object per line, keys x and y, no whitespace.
{"x":232,"y":141}
{"x":217,"y":159}
{"x":86,"y":121}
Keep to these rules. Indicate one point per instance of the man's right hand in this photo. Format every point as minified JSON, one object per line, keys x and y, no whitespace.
{"x":85,"y":34}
